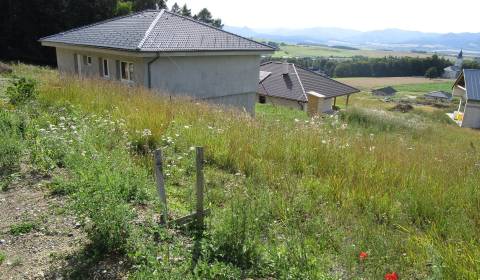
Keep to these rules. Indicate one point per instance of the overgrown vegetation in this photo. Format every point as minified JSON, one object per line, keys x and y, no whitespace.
{"x":22,"y":228}
{"x":290,"y":199}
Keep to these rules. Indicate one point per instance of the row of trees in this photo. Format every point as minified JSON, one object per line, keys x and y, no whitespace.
{"x":377,"y":67}
{"x":23,"y":22}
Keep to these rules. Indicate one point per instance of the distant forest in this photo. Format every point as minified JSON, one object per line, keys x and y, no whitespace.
{"x":377,"y":67}
{"x":23,"y":22}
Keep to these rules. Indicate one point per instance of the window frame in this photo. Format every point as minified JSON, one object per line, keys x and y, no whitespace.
{"x":106,"y":67}
{"x":89,"y":60}
{"x":128,"y":72}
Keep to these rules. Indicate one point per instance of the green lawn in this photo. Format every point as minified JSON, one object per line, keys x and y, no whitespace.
{"x":425,"y":88}
{"x":289,"y":199}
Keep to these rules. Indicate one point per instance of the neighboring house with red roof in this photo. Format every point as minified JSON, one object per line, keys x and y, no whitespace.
{"x":288,"y":85}
{"x":162,"y":50}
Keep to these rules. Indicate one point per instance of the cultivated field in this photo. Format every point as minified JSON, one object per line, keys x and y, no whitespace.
{"x":353,"y":196}
{"x":311,"y":51}
{"x":373,"y":83}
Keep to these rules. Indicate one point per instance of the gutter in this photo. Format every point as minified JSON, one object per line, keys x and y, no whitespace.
{"x":149,"y":72}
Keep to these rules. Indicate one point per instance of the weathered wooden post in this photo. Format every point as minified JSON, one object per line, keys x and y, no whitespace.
{"x":200,"y":181}
{"x":161,"y":183}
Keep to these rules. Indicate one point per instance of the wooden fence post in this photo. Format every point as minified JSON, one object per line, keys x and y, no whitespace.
{"x":200,"y":187}
{"x":161,"y":183}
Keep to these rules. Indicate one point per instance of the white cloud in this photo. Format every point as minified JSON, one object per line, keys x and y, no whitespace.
{"x":421,"y":15}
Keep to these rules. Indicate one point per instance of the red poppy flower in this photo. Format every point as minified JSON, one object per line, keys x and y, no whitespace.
{"x":391,"y":276}
{"x":363,"y":256}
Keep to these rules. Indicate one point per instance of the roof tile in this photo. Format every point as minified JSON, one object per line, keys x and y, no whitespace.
{"x":156,"y":31}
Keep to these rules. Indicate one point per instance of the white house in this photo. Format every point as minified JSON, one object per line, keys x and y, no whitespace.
{"x":165,"y":51}
{"x":467,"y":87}
{"x":452,"y":72}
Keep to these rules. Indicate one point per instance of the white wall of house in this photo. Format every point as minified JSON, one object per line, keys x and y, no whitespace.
{"x":325,"y":105}
{"x":471,"y":117}
{"x":217,"y":78}
{"x":66,"y":64}
{"x":231,"y":80}
{"x":292,"y":104}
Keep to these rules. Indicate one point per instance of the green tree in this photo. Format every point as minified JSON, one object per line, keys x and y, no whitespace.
{"x":206,"y":16}
{"x":432,"y":72}
{"x":140,"y":5}
{"x":185,"y":11}
{"x":123,"y":8}
{"x":175,"y":8}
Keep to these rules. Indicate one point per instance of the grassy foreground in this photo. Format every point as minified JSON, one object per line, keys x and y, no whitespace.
{"x":290,"y":199}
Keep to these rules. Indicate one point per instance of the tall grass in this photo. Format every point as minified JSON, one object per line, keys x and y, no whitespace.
{"x":315,"y":193}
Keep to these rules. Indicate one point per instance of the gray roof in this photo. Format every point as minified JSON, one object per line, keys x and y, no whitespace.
{"x":385,"y":90}
{"x":298,"y":82}
{"x":439,"y":94}
{"x":156,"y":31}
{"x":263,"y":75}
{"x":470,"y":78}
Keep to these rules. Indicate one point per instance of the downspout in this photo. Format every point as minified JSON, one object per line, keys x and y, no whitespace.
{"x":149,"y":72}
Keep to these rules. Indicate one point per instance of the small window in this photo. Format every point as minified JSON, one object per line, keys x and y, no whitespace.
{"x":106,"y":71}
{"x":89,"y":60}
{"x":127,"y":71}
{"x":262,"y":99}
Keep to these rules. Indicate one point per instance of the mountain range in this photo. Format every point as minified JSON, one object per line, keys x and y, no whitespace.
{"x":392,"y":39}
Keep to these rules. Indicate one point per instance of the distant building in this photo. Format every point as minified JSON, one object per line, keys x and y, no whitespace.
{"x":291,"y":86}
{"x":439,"y":96}
{"x":386,"y":91}
{"x":452,"y":72}
{"x":467,"y":87}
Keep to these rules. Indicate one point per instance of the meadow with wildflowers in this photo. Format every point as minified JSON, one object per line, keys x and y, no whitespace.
{"x":368,"y":194}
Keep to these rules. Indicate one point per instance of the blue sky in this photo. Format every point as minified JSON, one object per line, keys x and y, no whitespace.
{"x":421,"y":15}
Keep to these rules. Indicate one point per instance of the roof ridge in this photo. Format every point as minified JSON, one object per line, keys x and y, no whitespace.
{"x":300,"y":81}
{"x":219,"y":29}
{"x":95,"y":23}
{"x":328,"y":78}
{"x":150,"y":28}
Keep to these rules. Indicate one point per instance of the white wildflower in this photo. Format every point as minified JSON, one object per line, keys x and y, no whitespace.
{"x":146,"y":133}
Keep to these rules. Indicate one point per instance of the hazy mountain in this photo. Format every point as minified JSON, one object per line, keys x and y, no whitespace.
{"x":379,"y":39}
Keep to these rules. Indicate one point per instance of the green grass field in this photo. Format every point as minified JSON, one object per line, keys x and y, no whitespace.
{"x":290,"y":197}
{"x":321,"y":51}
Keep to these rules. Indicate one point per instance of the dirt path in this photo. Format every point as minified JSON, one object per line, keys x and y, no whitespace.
{"x":35,"y":230}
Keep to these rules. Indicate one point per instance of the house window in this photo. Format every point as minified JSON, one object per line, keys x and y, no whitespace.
{"x":89,"y":60}
{"x":106,"y":71}
{"x":262,"y":99}
{"x":127,"y":71}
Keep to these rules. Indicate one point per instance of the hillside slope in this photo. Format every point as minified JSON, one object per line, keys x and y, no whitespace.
{"x":290,"y":199}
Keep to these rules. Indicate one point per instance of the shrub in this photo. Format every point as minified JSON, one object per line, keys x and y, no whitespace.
{"x":22,"y":228}
{"x":21,"y":90}
{"x":10,"y":143}
{"x":2,"y":257}
{"x":432,"y":73}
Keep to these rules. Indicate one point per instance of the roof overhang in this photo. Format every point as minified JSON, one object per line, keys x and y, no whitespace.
{"x":139,"y":53}
{"x":316,"y":94}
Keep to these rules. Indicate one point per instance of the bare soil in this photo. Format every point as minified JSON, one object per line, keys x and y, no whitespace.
{"x":56,"y":247}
